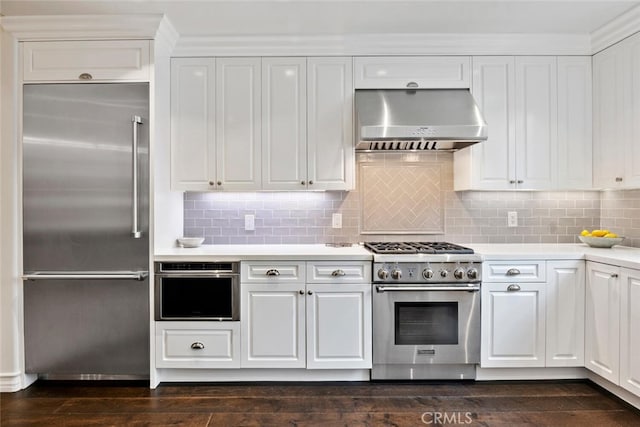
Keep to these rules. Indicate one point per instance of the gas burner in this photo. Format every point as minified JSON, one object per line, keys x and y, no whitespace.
{"x":416,"y":248}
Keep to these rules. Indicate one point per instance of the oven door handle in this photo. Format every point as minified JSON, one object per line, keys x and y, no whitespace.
{"x":469,"y":288}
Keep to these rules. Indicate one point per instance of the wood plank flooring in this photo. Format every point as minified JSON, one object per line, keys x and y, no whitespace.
{"x":522,"y":403}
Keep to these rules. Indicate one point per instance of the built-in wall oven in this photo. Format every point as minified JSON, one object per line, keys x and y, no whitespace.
{"x":197,"y":291}
{"x":426,"y":312}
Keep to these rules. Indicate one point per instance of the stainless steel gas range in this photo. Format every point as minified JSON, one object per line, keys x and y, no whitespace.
{"x":426,"y":310}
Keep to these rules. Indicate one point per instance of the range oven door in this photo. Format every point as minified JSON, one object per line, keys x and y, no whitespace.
{"x":412,"y":326}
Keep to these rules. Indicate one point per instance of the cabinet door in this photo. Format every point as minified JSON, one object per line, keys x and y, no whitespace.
{"x":602,"y":321}
{"x":284,"y":129}
{"x":238,"y":123}
{"x":338,"y":326}
{"x":632,"y":91}
{"x":574,"y":122}
{"x":608,"y":117}
{"x":536,"y":122}
{"x":490,"y":165}
{"x":630,"y":330}
{"x":330,"y":150}
{"x":81,"y":61}
{"x":513,"y":325}
{"x":565,"y":313}
{"x":397,"y":72}
{"x":273,"y":325}
{"x":193,"y":124}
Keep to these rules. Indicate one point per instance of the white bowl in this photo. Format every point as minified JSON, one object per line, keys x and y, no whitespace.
{"x":601,"y":242}
{"x":190,"y":242}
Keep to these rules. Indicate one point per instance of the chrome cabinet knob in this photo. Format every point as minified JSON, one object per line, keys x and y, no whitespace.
{"x":301,"y":292}
{"x":302,"y":182}
{"x":472,"y":273}
{"x":427,"y":273}
{"x":396,"y":274}
{"x":310,"y":182}
{"x":513,"y":288}
{"x":383,"y":274}
{"x":309,"y":292}
{"x":444,"y":273}
{"x":211,"y":183}
{"x":458,"y":273}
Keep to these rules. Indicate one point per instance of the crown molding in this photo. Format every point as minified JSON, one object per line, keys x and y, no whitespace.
{"x":79,"y":27}
{"x":165,"y":38}
{"x":385,"y":44}
{"x":616,"y":30}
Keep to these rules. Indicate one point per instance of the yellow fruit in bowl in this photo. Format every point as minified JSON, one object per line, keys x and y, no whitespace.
{"x":611,"y":235}
{"x":599,"y":233}
{"x":585,"y":233}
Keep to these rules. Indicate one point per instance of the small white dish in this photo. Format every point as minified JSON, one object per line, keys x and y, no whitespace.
{"x":601,"y":242}
{"x":190,"y":242}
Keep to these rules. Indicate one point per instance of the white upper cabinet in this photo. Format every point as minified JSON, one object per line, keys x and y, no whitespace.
{"x":82,"y":61}
{"x":247,"y":124}
{"x":538,"y":111}
{"x":238,"y":123}
{"x":490,"y":165}
{"x":616,"y":98}
{"x":330,"y":150}
{"x":284,"y":129}
{"x":536,"y":122}
{"x":193,"y":124}
{"x":396,"y":72}
{"x":575,"y":112}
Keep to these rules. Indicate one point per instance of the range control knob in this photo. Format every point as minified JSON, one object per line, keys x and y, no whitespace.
{"x":383,"y":274}
{"x":472,"y":273}
{"x":458,"y":273}
{"x":444,"y":273}
{"x":427,"y":273}
{"x":396,"y":274}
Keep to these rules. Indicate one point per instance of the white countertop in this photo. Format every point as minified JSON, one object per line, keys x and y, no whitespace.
{"x":264,"y":252}
{"x":619,"y":255}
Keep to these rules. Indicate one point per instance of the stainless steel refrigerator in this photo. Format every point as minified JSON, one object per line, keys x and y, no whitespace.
{"x":86,"y":230}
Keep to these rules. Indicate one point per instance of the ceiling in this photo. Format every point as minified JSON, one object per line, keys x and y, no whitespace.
{"x":201,"y":18}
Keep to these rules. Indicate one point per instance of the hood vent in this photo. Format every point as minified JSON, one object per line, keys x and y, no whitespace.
{"x":417,"y":120}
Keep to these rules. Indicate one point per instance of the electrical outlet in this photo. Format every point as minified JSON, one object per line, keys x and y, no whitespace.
{"x":336,"y":220}
{"x":512,"y":219}
{"x":249,"y":222}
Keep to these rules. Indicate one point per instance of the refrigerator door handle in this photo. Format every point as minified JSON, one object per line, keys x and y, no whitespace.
{"x":135,"y":232}
{"x":86,"y":275}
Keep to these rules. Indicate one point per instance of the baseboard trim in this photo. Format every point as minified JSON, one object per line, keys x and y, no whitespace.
{"x":15,"y":381}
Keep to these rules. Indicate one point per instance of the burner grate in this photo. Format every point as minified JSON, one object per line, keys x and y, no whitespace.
{"x":417,"y":248}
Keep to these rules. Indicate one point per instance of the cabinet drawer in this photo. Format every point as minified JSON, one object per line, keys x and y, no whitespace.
{"x":94,"y":60}
{"x":198,"y":344}
{"x":436,"y":72}
{"x":338,"y":272}
{"x":265,"y":271}
{"x":514,"y":271}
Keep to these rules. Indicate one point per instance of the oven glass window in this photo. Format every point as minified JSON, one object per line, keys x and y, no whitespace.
{"x":426,"y":323}
{"x":185,"y":297}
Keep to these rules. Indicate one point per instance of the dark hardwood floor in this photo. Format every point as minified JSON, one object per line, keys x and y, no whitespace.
{"x":523,"y":403}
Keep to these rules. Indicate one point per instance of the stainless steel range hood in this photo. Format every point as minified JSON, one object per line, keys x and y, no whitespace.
{"x":417,"y":119}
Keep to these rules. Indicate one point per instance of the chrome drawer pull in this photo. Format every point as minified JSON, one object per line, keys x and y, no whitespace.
{"x":338,"y":273}
{"x":513,"y":272}
{"x":513,"y":288}
{"x":272,"y":272}
{"x":197,"y":346}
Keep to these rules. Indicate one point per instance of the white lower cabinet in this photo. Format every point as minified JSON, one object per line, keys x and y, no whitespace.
{"x":533,"y":314}
{"x":630,"y":330}
{"x":513,"y":319}
{"x":612,"y":347}
{"x":273,"y":327}
{"x":197,"y":344}
{"x":565,"y":313}
{"x":602,"y":321}
{"x":322,"y":324}
{"x":338,"y":326}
